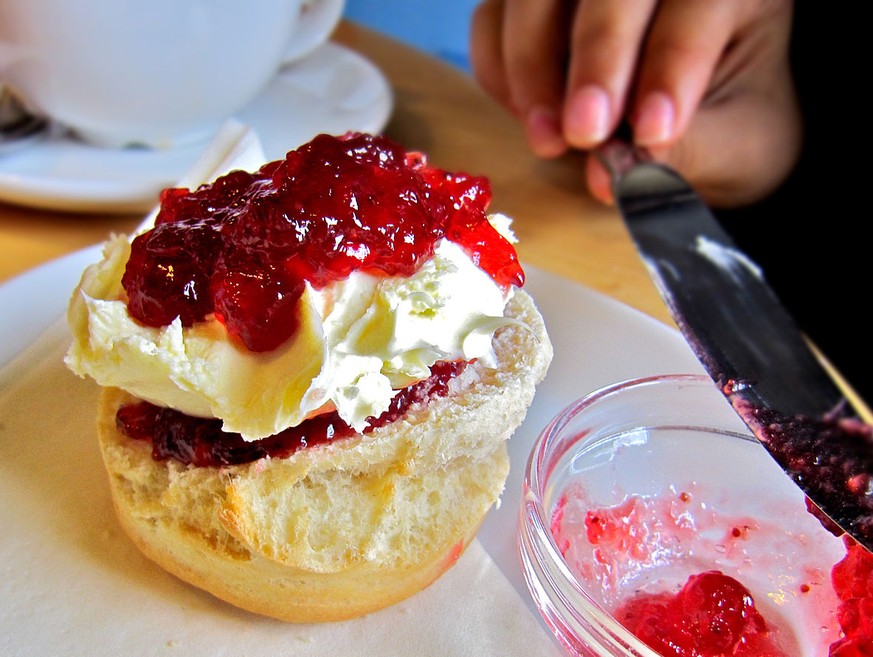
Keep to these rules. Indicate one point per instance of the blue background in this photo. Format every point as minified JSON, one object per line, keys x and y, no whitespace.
{"x":440,"y":27}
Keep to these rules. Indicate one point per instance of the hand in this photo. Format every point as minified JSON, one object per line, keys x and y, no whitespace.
{"x":705,"y":85}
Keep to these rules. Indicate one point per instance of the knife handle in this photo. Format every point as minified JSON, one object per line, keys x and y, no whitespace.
{"x":620,"y":156}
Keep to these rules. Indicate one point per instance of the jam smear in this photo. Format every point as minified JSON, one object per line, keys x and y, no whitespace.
{"x":241,"y":248}
{"x":713,"y":615}
{"x":852,"y":579}
{"x":201,"y":441}
{"x":830,"y":456}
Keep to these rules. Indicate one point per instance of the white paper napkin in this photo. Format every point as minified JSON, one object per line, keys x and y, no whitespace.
{"x":235,"y":146}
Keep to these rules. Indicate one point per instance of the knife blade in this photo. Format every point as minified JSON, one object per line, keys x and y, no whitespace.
{"x":745,"y":339}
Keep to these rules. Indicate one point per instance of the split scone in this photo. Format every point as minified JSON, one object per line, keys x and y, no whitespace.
{"x":310,"y":373}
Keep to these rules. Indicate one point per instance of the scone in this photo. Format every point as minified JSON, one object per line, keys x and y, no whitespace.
{"x":326,"y":469}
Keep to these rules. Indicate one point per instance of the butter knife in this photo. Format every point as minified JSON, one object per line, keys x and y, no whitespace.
{"x":745,"y":339}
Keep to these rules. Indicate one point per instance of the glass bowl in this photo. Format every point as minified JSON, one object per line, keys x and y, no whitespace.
{"x":689,"y":490}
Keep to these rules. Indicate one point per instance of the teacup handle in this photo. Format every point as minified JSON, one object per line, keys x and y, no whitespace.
{"x":318,"y":19}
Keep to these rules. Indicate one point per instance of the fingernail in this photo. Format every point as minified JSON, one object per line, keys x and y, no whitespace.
{"x":586,"y":122}
{"x":544,"y":132}
{"x":655,"y":120}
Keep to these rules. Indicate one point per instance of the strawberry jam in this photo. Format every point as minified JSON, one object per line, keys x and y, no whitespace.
{"x":711,"y":616}
{"x":853,"y":582}
{"x":240,"y":249}
{"x":201,"y":442}
{"x":831,"y":457}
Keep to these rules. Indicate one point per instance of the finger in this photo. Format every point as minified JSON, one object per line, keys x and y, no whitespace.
{"x":534,"y":49}
{"x":738,"y":151}
{"x":607,"y":36}
{"x":534,"y":45}
{"x":746,"y":134}
{"x":599,"y":181}
{"x":684,"y":47}
{"x":486,"y":51}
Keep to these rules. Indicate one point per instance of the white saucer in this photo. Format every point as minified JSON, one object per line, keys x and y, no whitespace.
{"x":332,"y":90}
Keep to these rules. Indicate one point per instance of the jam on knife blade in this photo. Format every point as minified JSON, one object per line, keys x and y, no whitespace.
{"x":828,"y":457}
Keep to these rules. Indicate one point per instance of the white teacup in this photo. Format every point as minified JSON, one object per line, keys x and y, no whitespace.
{"x":155,"y":73}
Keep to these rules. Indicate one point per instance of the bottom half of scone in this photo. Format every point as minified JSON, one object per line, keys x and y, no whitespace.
{"x":329,"y":545}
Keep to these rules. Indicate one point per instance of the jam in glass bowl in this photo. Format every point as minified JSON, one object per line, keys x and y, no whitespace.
{"x":653,"y":523}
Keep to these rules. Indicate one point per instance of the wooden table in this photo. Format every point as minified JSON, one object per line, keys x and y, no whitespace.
{"x":441,"y":111}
